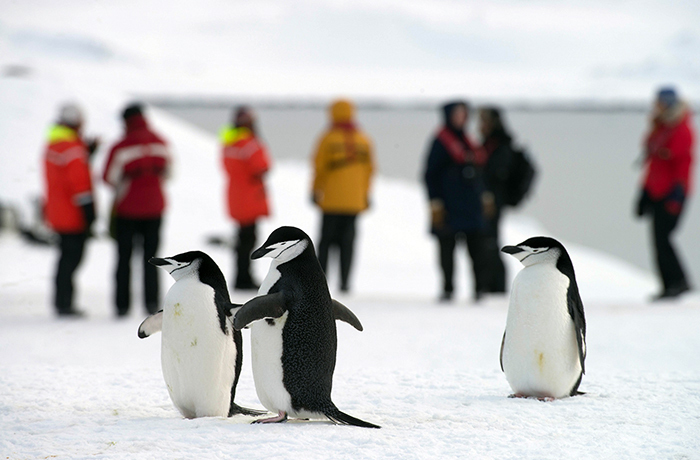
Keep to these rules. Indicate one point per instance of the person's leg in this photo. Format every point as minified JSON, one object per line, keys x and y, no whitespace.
{"x":446,"y":245}
{"x":480,"y":266}
{"x":150,"y":229}
{"x":347,"y":248}
{"x":668,"y":264}
{"x":245,"y":243}
{"x":328,"y":237}
{"x":72,"y":247}
{"x":495,"y":278}
{"x":125,"y":229}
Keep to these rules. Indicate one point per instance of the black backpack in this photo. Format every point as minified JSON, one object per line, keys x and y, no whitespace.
{"x":520,"y":177}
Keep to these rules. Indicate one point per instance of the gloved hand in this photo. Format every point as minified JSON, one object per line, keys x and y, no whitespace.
{"x":89,"y":215}
{"x":673,"y":203}
{"x":643,"y":204}
{"x":133,"y":170}
{"x":437,"y":214}
{"x":92,"y":145}
{"x":488,"y":204}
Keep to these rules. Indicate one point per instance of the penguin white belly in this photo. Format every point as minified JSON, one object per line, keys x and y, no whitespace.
{"x":198,"y":359}
{"x":266,"y":353}
{"x":540,"y":352}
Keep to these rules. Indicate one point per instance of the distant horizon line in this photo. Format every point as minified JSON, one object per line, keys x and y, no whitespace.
{"x":400,"y":103}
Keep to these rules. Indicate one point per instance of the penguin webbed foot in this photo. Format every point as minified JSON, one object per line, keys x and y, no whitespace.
{"x":281,"y":418}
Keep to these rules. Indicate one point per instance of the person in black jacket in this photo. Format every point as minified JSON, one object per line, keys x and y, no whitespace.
{"x":497,"y":143}
{"x":453,"y":177}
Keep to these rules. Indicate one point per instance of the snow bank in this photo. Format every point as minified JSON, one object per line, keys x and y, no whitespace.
{"x":428,"y":373}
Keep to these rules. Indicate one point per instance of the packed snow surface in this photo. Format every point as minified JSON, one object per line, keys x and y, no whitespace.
{"x":428,"y":373}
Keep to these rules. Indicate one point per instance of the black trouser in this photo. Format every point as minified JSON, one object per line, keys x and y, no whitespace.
{"x":495,"y":277}
{"x":145,"y":233}
{"x":72,"y":247}
{"x":338,"y":230}
{"x":476,"y":253}
{"x":245,"y":243}
{"x":667,"y":262}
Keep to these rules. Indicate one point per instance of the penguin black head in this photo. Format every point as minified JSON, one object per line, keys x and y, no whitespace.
{"x":535,"y":250}
{"x":185,"y":264}
{"x":284,"y":244}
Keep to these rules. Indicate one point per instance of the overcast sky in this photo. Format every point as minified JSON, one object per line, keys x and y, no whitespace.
{"x":394,"y":48}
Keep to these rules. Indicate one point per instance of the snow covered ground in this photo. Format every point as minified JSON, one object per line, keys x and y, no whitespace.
{"x":427,"y":372}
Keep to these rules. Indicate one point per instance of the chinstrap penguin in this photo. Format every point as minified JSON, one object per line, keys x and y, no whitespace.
{"x":544,"y":343}
{"x":201,"y":352}
{"x":293,"y":333}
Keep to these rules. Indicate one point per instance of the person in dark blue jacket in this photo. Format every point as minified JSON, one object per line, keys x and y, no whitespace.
{"x":453,"y":177}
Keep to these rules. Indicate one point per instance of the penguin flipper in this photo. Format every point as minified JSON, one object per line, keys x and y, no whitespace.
{"x":574,"y":391}
{"x":151,"y":325}
{"x":341,"y":418}
{"x":343,"y":313}
{"x":503,"y":341}
{"x":575,"y":307}
{"x":264,"y":306}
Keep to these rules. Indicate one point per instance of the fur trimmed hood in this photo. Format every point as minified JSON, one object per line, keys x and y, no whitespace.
{"x":670,"y":116}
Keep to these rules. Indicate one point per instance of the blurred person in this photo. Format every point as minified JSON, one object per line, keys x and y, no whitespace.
{"x":343,"y":169}
{"x":668,"y":161}
{"x":246,"y":162}
{"x":136,"y":168}
{"x":454,"y":180}
{"x":496,"y":142}
{"x":69,"y":200}
{"x":509,"y":175}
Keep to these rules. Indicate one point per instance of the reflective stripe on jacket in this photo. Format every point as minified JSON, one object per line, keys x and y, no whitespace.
{"x":136,"y":168}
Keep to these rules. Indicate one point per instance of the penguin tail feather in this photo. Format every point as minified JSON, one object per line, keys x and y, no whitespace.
{"x":236,"y":409}
{"x":341,"y":418}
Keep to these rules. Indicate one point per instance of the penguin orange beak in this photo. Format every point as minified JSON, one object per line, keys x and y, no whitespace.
{"x":511,"y":249}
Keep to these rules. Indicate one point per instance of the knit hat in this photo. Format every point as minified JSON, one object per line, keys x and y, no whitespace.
{"x":450,"y":106}
{"x":131,"y":110}
{"x":244,"y":117}
{"x":70,"y":114}
{"x":667,"y":96}
{"x":342,"y":111}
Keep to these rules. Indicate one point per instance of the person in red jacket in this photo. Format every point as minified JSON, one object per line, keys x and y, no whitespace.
{"x":69,"y":204}
{"x":667,"y":182}
{"x":246,"y":161}
{"x":136,"y":168}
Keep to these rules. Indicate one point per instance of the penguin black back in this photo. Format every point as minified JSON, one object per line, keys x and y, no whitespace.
{"x":295,"y":302}
{"x":310,"y":325}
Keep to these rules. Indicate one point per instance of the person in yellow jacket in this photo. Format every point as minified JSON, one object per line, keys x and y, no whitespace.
{"x":344,"y":164}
